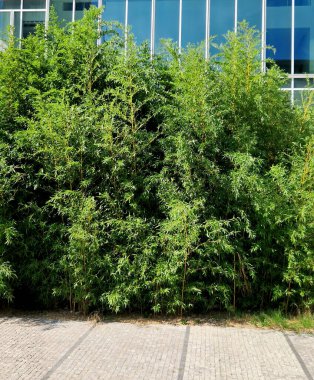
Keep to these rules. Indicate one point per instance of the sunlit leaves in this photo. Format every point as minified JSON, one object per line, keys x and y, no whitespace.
{"x":162,"y":185}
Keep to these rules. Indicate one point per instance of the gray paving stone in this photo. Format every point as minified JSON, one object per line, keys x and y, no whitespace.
{"x":33,"y":349}
{"x":304,"y":345}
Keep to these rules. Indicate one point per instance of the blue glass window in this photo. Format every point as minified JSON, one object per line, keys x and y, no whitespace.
{"x":251,"y":11}
{"x":10,"y":4}
{"x":139,"y":19}
{"x":30,"y":20}
{"x":285,"y":3}
{"x":67,"y":7}
{"x":221,"y":20}
{"x":4,"y":29}
{"x":300,"y":97}
{"x":17,"y":24}
{"x":64,"y":9}
{"x":304,"y":40}
{"x":114,"y":10}
{"x":302,"y":82}
{"x":278,"y":35}
{"x":80,"y":6}
{"x":193,"y":21}
{"x":166,"y":20}
{"x":34,"y":4}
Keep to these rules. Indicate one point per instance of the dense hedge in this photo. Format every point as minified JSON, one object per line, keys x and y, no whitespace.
{"x":167,"y":185}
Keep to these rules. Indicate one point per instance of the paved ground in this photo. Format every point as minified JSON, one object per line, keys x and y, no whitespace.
{"x":33,"y":348}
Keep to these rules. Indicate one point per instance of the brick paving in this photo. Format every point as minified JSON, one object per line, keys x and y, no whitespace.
{"x":34,"y":348}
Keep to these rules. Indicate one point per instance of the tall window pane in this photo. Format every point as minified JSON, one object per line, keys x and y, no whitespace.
{"x":221,"y":19}
{"x":64,"y":9}
{"x":251,"y":11}
{"x":10,"y":4}
{"x":34,"y":4}
{"x":278,"y":33}
{"x":304,"y":38}
{"x":167,"y":20}
{"x":193,"y":21}
{"x":301,"y":97}
{"x":139,"y":18}
{"x":17,"y":24}
{"x":114,"y":10}
{"x":30,"y":20}
{"x":4,"y":29}
{"x":81,"y":5}
{"x":303,"y":82}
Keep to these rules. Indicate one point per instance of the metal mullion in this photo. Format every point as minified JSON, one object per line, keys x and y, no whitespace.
{"x":12,"y":18}
{"x":23,"y":10}
{"x":304,"y":89}
{"x":47,"y":14}
{"x":126,"y":26}
{"x":292,"y":48}
{"x":180,"y":26}
{"x":152,"y":29}
{"x":99,"y":23}
{"x":207,"y":29}
{"x":264,"y":21}
{"x":235,"y":16}
{"x":301,"y":76}
{"x":30,"y":10}
{"x":21,"y":19}
{"x":73,"y":10}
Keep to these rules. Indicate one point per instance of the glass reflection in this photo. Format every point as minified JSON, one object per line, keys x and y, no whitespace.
{"x":34,"y":4}
{"x":301,"y":97}
{"x":114,"y":10}
{"x":221,"y":20}
{"x":10,"y":4}
{"x":251,"y":11}
{"x":278,"y":35}
{"x":167,"y":20}
{"x":17,"y":25}
{"x":30,"y":20}
{"x":64,"y":10}
{"x":80,"y":6}
{"x":303,"y":82}
{"x":193,"y":21}
{"x":304,"y":39}
{"x":4,"y":29}
{"x":287,"y":84}
{"x":139,"y":19}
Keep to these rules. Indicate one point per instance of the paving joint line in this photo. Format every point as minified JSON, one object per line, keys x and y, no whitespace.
{"x":298,"y":356}
{"x":184,"y":353}
{"x":67,"y":353}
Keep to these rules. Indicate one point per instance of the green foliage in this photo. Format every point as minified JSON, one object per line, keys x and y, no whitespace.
{"x":163,"y":185}
{"x":276,"y":319}
{"x":6,"y":274}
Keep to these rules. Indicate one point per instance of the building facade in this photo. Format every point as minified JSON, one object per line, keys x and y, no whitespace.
{"x":288,"y":25}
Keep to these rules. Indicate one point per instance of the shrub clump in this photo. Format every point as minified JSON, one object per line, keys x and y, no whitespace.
{"x":167,"y":185}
